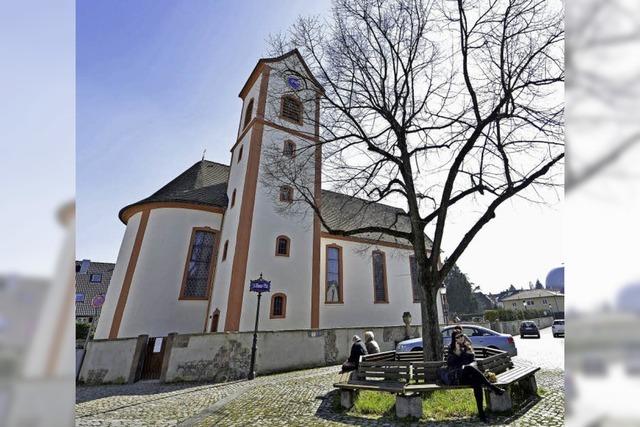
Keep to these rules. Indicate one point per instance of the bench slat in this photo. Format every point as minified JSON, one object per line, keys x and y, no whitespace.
{"x":392,"y":387}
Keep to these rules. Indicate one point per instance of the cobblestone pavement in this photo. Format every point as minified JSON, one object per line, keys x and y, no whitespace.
{"x":301,"y":398}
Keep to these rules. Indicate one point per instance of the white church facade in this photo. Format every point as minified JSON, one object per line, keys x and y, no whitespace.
{"x":190,"y":249}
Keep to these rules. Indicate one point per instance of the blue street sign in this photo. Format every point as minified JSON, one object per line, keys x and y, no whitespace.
{"x":260,"y":285}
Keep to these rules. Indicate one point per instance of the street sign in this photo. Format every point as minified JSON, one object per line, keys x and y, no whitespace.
{"x":97,"y":301}
{"x":260,"y":285}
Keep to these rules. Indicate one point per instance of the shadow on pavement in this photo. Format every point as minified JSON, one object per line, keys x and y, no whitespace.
{"x":86,"y":393}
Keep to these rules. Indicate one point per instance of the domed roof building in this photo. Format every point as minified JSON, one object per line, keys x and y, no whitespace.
{"x":555,"y":280}
{"x":629,"y":298}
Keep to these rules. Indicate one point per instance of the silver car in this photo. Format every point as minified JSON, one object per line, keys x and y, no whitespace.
{"x":479,"y":336}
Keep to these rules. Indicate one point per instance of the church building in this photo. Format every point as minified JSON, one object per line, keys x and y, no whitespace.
{"x":190,"y":249}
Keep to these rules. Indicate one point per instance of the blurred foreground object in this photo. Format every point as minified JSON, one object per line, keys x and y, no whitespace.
{"x":39,"y":391}
{"x":602,"y":205}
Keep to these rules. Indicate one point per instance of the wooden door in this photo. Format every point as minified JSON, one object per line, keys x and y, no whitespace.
{"x":153,"y":358}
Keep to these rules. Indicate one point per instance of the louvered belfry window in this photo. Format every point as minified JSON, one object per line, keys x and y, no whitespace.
{"x":379,"y":277}
{"x":292,"y":109}
{"x":199,"y":265}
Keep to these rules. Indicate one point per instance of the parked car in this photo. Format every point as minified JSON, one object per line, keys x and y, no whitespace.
{"x":558,"y":328}
{"x":479,"y":336}
{"x":529,"y":328}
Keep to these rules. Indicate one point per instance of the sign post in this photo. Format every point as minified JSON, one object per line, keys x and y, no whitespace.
{"x":260,"y":285}
{"x":96,"y":303}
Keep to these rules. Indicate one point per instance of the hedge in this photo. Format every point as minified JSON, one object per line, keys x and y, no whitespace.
{"x":507,"y":315}
{"x":82,"y":329}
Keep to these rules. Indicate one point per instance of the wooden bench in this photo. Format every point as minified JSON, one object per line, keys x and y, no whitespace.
{"x":384,"y":374}
{"x":407,"y":376}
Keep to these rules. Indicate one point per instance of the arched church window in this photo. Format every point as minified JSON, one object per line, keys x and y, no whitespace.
{"x":333,"y":276}
{"x":379,"y":277}
{"x":291,"y":109}
{"x":215,"y":319}
{"x":248,"y":113}
{"x":240,"y":154}
{"x":286,"y":194}
{"x":199,"y":265}
{"x":289,"y":149}
{"x":224,"y":250}
{"x":278,"y":306}
{"x":283,"y":246}
{"x":233,"y":197}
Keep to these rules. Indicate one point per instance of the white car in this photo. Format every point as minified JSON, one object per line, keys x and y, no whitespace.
{"x":558,"y":328}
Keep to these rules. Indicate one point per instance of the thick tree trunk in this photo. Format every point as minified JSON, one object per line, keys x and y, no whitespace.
{"x":431,"y":336}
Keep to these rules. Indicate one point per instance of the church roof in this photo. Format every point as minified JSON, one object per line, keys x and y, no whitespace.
{"x":263,"y":61}
{"x":204,"y":183}
{"x":347,"y":213}
{"x":533,"y":293}
{"x":89,"y":289}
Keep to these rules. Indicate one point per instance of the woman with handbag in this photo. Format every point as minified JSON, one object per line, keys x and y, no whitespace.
{"x":462,"y":369}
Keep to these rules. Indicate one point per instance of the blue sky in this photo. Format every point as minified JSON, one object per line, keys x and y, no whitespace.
{"x":158,"y":82}
{"x":36,"y":132}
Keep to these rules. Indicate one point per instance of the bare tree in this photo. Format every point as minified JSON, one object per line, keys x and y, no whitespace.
{"x":438,"y":105}
{"x":604,"y":87}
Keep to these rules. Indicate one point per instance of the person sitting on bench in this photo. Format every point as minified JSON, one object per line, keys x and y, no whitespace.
{"x":462,"y":370}
{"x":357,"y":349}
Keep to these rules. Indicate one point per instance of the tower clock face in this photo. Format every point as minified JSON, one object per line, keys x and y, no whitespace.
{"x":294,"y":82}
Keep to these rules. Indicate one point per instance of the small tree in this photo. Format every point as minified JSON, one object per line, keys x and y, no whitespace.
{"x":539,"y":285}
{"x":459,"y":293}
{"x":442,"y":106}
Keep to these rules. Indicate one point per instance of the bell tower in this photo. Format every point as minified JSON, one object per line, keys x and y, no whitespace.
{"x":266,"y":230}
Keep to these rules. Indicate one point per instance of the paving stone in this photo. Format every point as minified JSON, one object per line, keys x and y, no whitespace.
{"x":301,"y":398}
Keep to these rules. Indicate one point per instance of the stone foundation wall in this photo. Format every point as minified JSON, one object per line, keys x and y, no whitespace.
{"x":112,"y":361}
{"x":225,"y":356}
{"x":222,"y":357}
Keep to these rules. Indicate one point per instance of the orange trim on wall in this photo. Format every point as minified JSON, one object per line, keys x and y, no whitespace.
{"x":243,"y":236}
{"x":126,"y":283}
{"x":284,"y":306}
{"x":128,"y":213}
{"x":315,"y":257}
{"x":212,"y":265}
{"x":206,"y":314}
{"x":261,"y":120}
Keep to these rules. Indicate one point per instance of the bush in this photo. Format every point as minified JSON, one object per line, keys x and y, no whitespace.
{"x":82,"y":329}
{"x":491,"y":315}
{"x":503,"y":315}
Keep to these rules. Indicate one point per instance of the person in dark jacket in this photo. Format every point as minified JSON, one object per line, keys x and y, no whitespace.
{"x":462,"y":370}
{"x":357,"y":349}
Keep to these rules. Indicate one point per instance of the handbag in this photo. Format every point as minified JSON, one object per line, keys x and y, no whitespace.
{"x":447,"y":376}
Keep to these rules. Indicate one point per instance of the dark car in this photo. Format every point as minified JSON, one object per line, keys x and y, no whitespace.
{"x":528,"y":328}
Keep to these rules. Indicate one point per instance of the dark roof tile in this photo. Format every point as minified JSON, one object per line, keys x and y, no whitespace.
{"x":204,"y":183}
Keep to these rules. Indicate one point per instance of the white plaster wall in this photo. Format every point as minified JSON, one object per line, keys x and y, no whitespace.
{"x":358,"y":308}
{"x":237,"y":175}
{"x":113,"y":291}
{"x":153,"y":307}
{"x":253,"y":93}
{"x":289,"y":275}
{"x":108,"y":361}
